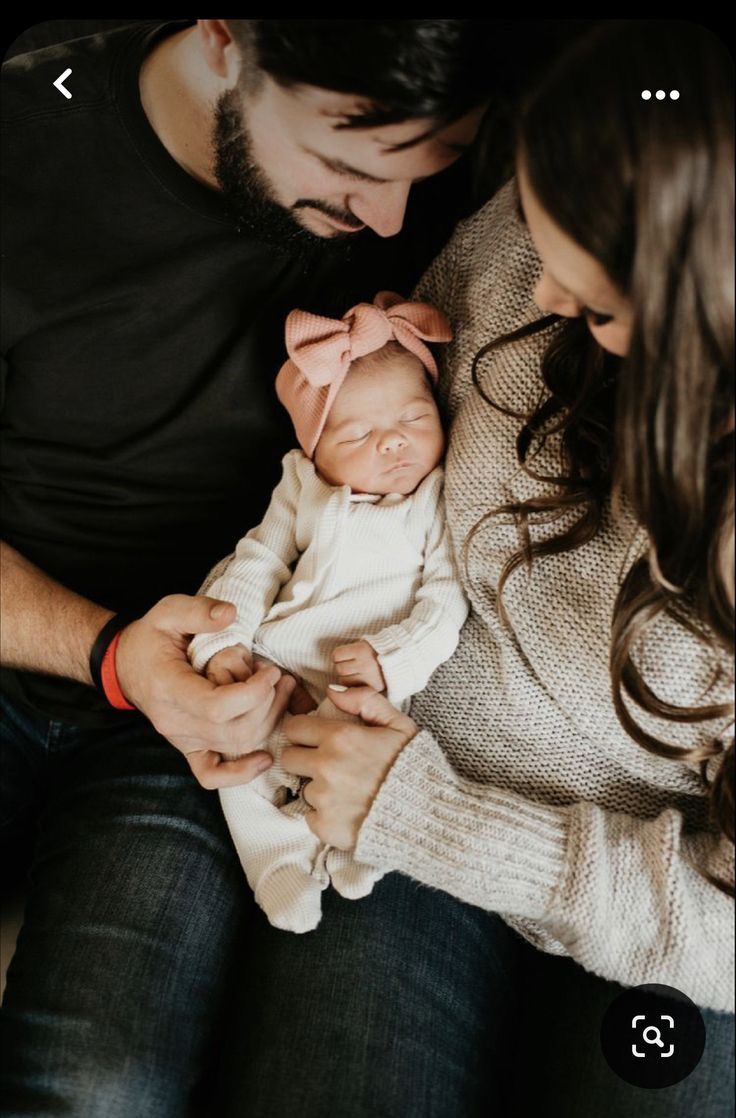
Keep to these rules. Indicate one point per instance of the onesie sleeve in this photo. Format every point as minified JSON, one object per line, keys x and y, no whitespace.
{"x":411,"y":650}
{"x":252,"y":577}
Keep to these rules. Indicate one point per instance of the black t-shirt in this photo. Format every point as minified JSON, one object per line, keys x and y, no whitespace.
{"x":141,"y":434}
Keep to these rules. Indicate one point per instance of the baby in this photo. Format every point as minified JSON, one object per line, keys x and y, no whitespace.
{"x":349,"y":575}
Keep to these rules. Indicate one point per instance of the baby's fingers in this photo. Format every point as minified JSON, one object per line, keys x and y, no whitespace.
{"x":347,"y":668}
{"x":231,"y":665}
{"x":219,"y":676}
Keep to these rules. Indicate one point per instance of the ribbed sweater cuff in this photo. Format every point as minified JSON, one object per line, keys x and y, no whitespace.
{"x":487,"y":847}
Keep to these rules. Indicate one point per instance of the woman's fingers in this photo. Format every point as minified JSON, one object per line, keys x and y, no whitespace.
{"x":298,"y":761}
{"x":369,"y":705}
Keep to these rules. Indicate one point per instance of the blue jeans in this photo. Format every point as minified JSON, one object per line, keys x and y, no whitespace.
{"x":146,"y":982}
{"x":133,"y":912}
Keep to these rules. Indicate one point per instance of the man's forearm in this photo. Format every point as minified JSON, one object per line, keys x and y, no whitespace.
{"x":44,"y":626}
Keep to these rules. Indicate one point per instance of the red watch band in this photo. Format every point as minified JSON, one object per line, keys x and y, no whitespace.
{"x":110,"y":685}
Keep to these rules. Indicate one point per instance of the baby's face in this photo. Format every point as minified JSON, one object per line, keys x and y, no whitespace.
{"x":383,"y":434}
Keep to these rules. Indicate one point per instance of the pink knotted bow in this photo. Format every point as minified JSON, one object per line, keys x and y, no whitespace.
{"x":321,"y":351}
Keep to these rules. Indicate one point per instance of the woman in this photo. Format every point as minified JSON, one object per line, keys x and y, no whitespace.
{"x":564,"y":783}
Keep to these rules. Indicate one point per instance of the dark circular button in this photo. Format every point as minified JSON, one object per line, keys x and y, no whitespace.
{"x":652,"y":1036}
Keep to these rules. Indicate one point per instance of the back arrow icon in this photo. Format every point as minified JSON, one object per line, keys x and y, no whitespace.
{"x":59,"y":83}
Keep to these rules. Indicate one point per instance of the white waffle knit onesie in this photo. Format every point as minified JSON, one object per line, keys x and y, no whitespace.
{"x":325,"y":567}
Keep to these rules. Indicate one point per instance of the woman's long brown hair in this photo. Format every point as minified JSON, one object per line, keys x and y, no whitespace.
{"x":646,"y":187}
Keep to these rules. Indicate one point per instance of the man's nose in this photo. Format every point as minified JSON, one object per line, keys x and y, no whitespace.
{"x":391,"y":440}
{"x":553,"y":299}
{"x":382,"y":207}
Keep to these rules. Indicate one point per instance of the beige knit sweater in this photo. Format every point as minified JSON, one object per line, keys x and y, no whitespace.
{"x":522,"y":793}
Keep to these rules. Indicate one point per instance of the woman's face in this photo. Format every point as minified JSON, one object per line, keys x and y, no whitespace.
{"x":573,"y":282}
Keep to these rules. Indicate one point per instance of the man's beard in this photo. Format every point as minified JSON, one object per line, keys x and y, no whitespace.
{"x":250,"y":196}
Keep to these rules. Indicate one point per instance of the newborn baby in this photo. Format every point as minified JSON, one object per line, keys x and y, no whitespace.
{"x":350,"y":575}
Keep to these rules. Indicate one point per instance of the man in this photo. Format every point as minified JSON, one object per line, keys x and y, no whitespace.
{"x":198,"y":183}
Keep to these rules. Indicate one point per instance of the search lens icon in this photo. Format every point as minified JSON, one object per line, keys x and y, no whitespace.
{"x":657,"y":1036}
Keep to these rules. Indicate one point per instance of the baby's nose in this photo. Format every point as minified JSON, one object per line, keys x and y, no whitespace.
{"x":391,"y":440}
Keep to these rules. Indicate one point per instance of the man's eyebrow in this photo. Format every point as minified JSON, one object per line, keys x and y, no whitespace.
{"x":343,"y":168}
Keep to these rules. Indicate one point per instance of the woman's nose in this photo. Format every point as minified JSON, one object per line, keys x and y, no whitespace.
{"x":391,"y":440}
{"x":553,"y":299}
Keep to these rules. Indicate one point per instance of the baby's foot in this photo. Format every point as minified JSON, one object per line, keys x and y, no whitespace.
{"x":278,"y":852}
{"x":291,"y":898}
{"x":351,"y":879}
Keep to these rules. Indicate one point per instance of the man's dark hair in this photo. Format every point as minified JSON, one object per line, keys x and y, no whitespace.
{"x":437,"y":69}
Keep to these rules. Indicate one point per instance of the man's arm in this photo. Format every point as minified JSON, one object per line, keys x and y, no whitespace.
{"x":48,"y":628}
{"x":45,"y":627}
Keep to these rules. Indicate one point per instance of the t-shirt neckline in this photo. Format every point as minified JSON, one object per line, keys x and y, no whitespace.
{"x":126,"y":84}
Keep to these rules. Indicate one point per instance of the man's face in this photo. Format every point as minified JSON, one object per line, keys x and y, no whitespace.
{"x":280,"y":161}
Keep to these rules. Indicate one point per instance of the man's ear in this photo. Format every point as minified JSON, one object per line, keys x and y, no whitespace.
{"x":219,"y":49}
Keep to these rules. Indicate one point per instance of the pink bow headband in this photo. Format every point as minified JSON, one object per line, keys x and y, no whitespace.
{"x":321,"y":351}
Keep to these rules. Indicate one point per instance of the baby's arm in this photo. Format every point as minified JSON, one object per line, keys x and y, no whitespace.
{"x":252,"y":577}
{"x":410,"y":651}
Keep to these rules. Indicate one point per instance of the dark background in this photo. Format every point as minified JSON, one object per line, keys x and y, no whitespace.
{"x":532,"y":45}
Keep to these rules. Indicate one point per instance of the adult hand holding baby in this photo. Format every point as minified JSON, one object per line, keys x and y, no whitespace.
{"x":238,"y":663}
{"x":346,"y":762}
{"x":199,"y":718}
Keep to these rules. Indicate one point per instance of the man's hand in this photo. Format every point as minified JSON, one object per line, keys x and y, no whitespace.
{"x":300,"y":701}
{"x":357,"y":665}
{"x":345,"y":762}
{"x":237,"y":663}
{"x":198,"y":717}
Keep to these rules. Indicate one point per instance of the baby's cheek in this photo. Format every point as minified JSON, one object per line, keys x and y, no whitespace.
{"x":435,"y":446}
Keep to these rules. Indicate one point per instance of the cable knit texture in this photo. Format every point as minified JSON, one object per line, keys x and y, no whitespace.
{"x":522,"y":793}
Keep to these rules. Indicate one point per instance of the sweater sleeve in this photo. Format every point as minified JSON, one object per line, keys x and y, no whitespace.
{"x":411,"y":650}
{"x":252,"y":577}
{"x":627,"y":898}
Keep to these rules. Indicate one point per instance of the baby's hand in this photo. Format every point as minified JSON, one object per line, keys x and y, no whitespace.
{"x":357,"y":665}
{"x":230,"y":665}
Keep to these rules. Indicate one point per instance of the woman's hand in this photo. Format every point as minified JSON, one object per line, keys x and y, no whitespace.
{"x":345,"y":762}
